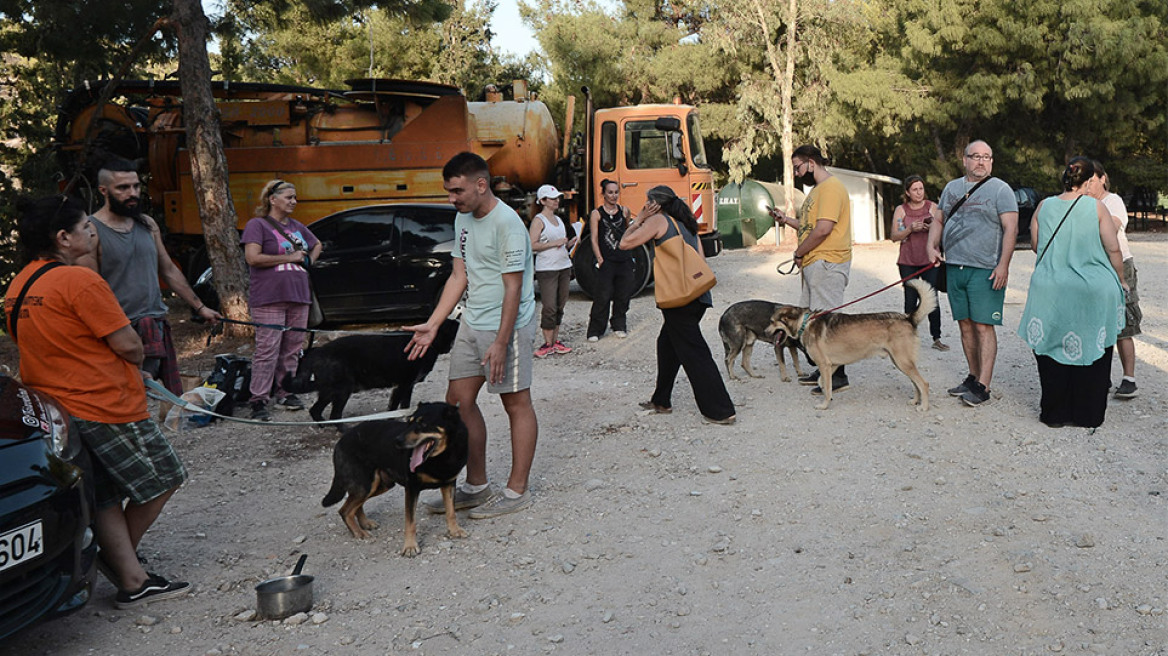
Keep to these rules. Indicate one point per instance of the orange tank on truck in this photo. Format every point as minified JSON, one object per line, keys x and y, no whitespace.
{"x":381,"y":141}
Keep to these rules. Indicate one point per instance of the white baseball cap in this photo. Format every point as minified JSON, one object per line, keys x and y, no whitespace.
{"x":548,"y":191}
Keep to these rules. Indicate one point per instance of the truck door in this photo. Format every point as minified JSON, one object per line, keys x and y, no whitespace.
{"x":651,"y":157}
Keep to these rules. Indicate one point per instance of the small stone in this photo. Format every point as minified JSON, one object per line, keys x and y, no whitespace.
{"x":1101,"y":603}
{"x":568,"y":567}
{"x":298,"y":618}
{"x":1144,"y":609}
{"x":1055,"y":647}
{"x":175,"y":630}
{"x":756,"y":513}
{"x":683,"y":611}
{"x":608,"y":617}
{"x":213,"y":652}
{"x":556,"y":639}
{"x":146,"y":620}
{"x":695,"y":493}
{"x":245,"y":616}
{"x":714,"y":469}
{"x":319,"y":618}
{"x":346,"y":640}
{"x":912,"y":638}
{"x":1021,"y":568}
{"x":299,"y":539}
{"x":225,"y":586}
{"x":593,"y":484}
{"x":701,"y":560}
{"x":517,"y":617}
{"x":653,"y":453}
{"x":1085,"y":541}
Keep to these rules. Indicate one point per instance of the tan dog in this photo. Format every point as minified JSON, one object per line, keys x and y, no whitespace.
{"x":836,"y":339}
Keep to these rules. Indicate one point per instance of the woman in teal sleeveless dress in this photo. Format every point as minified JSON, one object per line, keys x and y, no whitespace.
{"x":1075,"y":306}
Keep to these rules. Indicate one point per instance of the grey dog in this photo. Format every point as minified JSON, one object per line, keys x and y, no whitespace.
{"x":748,"y":321}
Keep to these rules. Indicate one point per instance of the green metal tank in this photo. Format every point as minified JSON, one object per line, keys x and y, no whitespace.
{"x":742,"y":211}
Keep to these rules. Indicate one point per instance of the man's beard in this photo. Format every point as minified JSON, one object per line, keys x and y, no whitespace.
{"x":132,"y":208}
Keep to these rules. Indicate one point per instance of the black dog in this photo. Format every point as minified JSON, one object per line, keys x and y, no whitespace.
{"x":746,"y":321}
{"x":363,"y":362}
{"x":425,"y":452}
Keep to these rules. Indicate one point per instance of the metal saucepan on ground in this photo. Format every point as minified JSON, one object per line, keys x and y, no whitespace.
{"x":285,"y":596}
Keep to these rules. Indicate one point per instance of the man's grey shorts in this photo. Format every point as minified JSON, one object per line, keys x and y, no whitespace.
{"x":824,"y":284}
{"x":470,"y":347}
{"x":1131,"y":300}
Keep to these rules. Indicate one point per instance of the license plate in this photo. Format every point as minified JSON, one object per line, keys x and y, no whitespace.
{"x":21,"y":545}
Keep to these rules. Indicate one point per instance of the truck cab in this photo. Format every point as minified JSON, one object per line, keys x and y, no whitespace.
{"x":646,"y":145}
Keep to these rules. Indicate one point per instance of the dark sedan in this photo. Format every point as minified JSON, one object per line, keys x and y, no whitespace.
{"x":47,"y":545}
{"x":383,"y":262}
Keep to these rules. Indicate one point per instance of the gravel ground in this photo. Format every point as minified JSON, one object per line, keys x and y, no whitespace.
{"x":868,"y":528}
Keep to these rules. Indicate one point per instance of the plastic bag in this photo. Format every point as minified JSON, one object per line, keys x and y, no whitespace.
{"x":203,"y":397}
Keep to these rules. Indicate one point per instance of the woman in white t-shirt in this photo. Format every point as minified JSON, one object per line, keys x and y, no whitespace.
{"x":553,"y":268}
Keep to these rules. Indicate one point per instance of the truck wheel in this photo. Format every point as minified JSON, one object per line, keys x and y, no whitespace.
{"x":584,"y":267}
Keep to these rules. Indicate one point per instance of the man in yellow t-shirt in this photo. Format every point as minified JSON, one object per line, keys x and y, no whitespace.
{"x":824,"y":254}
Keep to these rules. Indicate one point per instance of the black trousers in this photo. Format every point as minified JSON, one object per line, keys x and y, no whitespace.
{"x":912,"y":299}
{"x":1074,"y":395}
{"x":680,"y":344}
{"x":614,"y":285}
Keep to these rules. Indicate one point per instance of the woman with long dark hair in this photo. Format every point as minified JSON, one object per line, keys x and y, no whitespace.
{"x":680,"y":343}
{"x":1075,"y":305}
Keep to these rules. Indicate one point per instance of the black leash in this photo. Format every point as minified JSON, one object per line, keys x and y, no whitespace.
{"x":217,"y":329}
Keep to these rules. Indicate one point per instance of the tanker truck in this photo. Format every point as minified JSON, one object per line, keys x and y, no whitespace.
{"x":386,"y":141}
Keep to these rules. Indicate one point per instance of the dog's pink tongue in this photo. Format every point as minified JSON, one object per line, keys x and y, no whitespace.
{"x":416,"y":456}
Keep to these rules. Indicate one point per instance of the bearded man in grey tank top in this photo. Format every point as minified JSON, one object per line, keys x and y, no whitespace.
{"x":131,"y":258}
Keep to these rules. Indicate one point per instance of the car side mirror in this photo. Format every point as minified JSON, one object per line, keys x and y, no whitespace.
{"x":682,"y":169}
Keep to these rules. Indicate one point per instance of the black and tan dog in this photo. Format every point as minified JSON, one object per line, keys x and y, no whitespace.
{"x":425,"y":452}
{"x":748,"y":321}
{"x":363,"y":362}
{"x":836,"y":339}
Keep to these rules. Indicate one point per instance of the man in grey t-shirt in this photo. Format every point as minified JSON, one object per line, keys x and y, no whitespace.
{"x":979,"y":242}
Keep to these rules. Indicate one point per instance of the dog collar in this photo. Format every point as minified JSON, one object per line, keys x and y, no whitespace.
{"x":803,"y":326}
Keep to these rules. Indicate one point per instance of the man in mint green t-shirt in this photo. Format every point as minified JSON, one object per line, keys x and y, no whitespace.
{"x":493,"y":266}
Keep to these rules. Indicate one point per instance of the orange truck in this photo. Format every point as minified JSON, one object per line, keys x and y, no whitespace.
{"x":385,"y":141}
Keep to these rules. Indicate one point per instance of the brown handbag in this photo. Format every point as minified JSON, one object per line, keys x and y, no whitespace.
{"x":680,"y":273}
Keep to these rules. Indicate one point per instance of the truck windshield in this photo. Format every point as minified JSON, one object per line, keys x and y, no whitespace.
{"x":697,"y":147}
{"x":646,"y":147}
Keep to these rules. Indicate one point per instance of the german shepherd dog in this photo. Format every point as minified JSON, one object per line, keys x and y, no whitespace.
{"x":363,"y":362}
{"x":835,"y":339}
{"x":747,"y":321}
{"x":425,"y":452}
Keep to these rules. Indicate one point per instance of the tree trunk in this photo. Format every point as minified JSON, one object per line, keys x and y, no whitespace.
{"x":788,"y":92}
{"x":209,"y":163}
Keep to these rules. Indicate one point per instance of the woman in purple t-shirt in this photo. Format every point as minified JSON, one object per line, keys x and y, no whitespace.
{"x":277,"y":249}
{"x":910,"y":226}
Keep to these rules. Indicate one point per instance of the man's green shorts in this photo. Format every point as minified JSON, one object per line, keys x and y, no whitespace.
{"x":972,"y":295}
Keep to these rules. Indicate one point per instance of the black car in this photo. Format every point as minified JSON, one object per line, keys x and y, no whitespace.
{"x":1027,"y":199}
{"x":378,"y":262}
{"x":383,"y":262}
{"x":47,"y":545}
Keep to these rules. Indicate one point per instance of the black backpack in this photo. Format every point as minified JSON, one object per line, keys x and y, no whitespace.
{"x":232,"y":375}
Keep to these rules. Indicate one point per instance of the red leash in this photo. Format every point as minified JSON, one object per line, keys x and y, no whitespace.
{"x":902,"y":280}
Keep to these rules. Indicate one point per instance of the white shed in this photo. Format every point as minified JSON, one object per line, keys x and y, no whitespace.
{"x":867,"y":191}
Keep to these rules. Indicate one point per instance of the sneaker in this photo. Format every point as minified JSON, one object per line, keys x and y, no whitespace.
{"x":259,"y":410}
{"x":838,"y":384}
{"x":1126,"y":389}
{"x":155,"y":588}
{"x":561,"y":348}
{"x":620,"y":333}
{"x":291,"y":402}
{"x":462,"y":499}
{"x":976,"y":395}
{"x":501,"y":504}
{"x":939,"y":345}
{"x":544,"y":351}
{"x":963,"y":387}
{"x":594,"y":338}
{"x":657,"y":409}
{"x":728,"y":421}
{"x":810,"y":379}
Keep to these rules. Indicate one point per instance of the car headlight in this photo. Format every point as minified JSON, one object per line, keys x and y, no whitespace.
{"x":58,"y":427}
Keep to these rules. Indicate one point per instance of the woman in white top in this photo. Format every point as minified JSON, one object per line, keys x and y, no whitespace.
{"x":553,"y":268}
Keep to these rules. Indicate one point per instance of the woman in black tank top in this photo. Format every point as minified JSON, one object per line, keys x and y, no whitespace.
{"x":614,"y":279}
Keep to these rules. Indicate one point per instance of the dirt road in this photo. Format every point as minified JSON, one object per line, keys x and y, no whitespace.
{"x":868,"y":528}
